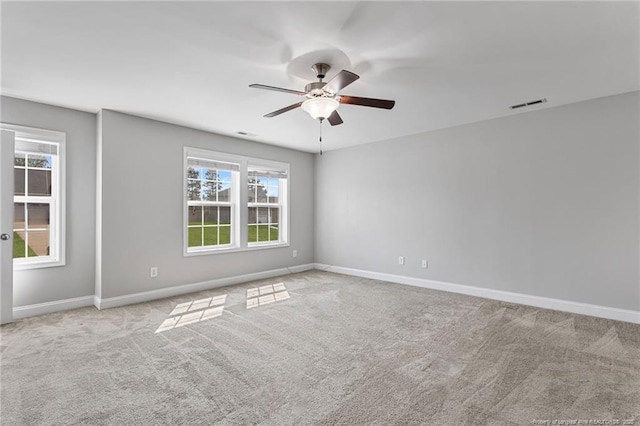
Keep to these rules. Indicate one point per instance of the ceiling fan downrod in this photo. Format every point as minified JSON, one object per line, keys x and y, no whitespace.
{"x":321,"y":70}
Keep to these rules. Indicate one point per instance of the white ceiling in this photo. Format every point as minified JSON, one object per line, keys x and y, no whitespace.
{"x":445,"y":63}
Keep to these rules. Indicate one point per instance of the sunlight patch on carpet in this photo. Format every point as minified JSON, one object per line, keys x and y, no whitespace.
{"x":266,"y":294}
{"x":194,"y":311}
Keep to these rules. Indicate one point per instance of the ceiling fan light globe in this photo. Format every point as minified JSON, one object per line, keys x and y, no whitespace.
{"x":320,"y":107}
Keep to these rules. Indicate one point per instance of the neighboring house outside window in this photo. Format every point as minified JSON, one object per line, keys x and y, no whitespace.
{"x":214,"y":216}
{"x":38,"y":230}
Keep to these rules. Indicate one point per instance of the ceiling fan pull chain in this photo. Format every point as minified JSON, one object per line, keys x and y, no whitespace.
{"x":320,"y":136}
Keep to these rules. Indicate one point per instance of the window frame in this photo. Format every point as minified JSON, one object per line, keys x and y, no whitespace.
{"x":239,"y":203}
{"x":212,"y":156}
{"x":57,"y":225}
{"x":282,"y":204}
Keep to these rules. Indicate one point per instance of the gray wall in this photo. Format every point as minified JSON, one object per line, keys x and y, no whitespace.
{"x":543,"y":203}
{"x":76,"y":279}
{"x":142,"y":213}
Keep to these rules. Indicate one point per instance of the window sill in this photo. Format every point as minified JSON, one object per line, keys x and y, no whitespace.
{"x":236,"y":249}
{"x":25,"y":266}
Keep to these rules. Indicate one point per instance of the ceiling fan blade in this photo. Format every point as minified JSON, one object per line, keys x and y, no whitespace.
{"x":335,"y":119}
{"x":277,"y":89}
{"x":283,"y":110}
{"x":340,"y":81}
{"x":369,"y":102}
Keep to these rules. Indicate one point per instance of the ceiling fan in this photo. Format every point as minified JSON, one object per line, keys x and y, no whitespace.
{"x":323,"y":99}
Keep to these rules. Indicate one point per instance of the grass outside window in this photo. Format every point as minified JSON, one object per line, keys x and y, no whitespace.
{"x":19,"y":247}
{"x":263,"y":233}
{"x":209,"y":234}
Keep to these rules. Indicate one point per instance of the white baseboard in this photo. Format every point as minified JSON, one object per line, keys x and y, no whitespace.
{"x":112,"y":302}
{"x":504,"y":296}
{"x":51,"y":307}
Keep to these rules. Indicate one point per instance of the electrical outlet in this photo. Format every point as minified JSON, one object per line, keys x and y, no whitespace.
{"x":295,"y":253}
{"x":153,"y":272}
{"x":401,"y":260}
{"x":425,"y":264}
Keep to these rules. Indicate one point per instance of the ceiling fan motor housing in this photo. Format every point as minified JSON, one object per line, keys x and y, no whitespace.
{"x":315,"y":88}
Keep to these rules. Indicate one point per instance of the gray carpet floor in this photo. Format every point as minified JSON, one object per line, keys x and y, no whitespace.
{"x":319,"y":348}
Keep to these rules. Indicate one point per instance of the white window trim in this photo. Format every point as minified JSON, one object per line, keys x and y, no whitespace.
{"x":43,"y":135}
{"x":233,"y":195}
{"x":283,"y":203}
{"x":239,"y":232}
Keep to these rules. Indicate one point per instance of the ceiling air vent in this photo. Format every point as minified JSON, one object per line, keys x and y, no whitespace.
{"x":526,"y":104}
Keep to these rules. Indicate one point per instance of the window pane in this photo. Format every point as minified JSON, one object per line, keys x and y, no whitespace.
{"x":261,"y":192}
{"x":223,"y":193}
{"x":195,"y":215}
{"x":253,"y":233}
{"x":195,"y":236}
{"x":193,"y":172}
{"x":38,"y":243}
{"x":38,"y":215}
{"x":274,"y":216}
{"x":253,"y":215}
{"x":210,"y":215}
{"x":19,"y":234}
{"x":225,"y":215}
{"x":225,"y":234}
{"x":225,"y":177}
{"x":39,"y":182}
{"x":257,"y":190}
{"x":39,"y":160}
{"x":273,"y":233}
{"x":18,"y":181}
{"x":263,"y":233}
{"x":210,"y":235}
{"x":193,"y":190}
{"x":18,"y":216}
{"x":19,"y":159}
{"x":273,"y":191}
{"x":252,"y":191}
{"x":18,"y":245}
{"x":209,"y":190}
{"x":210,"y":174}
{"x":263,"y":215}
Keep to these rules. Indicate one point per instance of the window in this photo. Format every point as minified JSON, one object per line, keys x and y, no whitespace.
{"x":38,"y":225}
{"x":265,"y":204}
{"x":217,"y":219}
{"x":211,"y":198}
